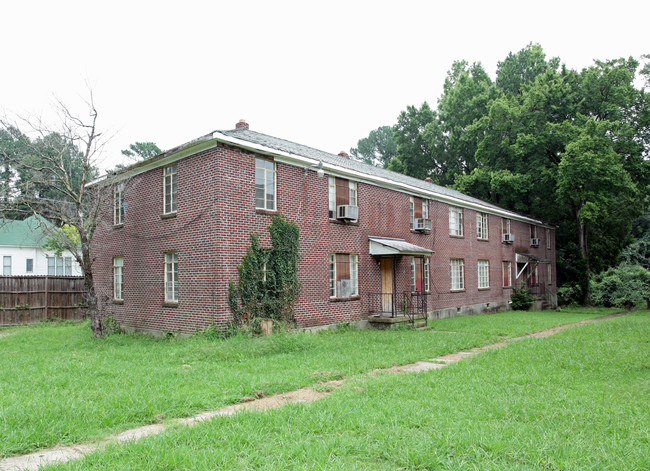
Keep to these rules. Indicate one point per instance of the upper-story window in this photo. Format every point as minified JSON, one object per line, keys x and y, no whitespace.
{"x":342,"y":192}
{"x":506,"y":234}
{"x":548,"y":238}
{"x":455,"y":221}
{"x":118,"y":204}
{"x":419,"y":209}
{"x":534,"y":241}
{"x":482,"y":226}
{"x":265,"y":183}
{"x":170,"y":188}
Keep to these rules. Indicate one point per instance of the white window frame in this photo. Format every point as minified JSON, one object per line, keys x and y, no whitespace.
{"x":507,"y":228}
{"x":6,"y":265}
{"x":427,"y":273}
{"x":425,"y":208}
{"x":533,"y":231}
{"x":483,"y":269}
{"x":170,"y":189}
{"x":457,"y":274}
{"x":455,"y":221}
{"x":482,"y":226}
{"x":118,"y":278}
{"x":265,"y":176}
{"x":59,"y":266}
{"x":331,"y":188}
{"x":506,"y":267}
{"x":27,"y":268}
{"x":413,"y":276}
{"x":118,"y":204}
{"x":171,"y":277}
{"x":353,"y":261}
{"x":412,"y":212}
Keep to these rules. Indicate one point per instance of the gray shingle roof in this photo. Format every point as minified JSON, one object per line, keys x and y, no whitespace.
{"x":351,"y":164}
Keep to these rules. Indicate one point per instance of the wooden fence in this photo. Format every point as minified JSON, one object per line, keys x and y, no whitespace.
{"x":32,"y":299}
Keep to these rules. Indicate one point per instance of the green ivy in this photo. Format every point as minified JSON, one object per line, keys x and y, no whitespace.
{"x":271,"y":293}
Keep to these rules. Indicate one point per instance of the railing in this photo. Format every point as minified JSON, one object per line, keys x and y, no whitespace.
{"x":398,"y":304}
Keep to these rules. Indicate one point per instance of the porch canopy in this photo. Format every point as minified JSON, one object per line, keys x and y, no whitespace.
{"x":527,"y":258}
{"x":521,"y":257}
{"x":390,"y":246}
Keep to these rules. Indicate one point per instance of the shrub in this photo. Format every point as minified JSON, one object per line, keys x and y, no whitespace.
{"x":569,"y":293}
{"x":521,"y":299}
{"x":626,"y":285}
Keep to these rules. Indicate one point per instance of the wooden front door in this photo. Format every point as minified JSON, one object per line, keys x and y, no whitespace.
{"x":387,"y":284}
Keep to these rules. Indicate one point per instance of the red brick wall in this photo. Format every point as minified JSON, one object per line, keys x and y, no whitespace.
{"x":216,"y":213}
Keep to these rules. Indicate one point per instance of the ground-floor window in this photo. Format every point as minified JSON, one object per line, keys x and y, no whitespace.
{"x":29,"y":265}
{"x":59,"y":266}
{"x":118,"y":278}
{"x":507,"y":274}
{"x":344,"y":275}
{"x":6,"y":265}
{"x":549,"y":273}
{"x":419,"y":274}
{"x":171,"y":277}
{"x":457,"y":273}
{"x":483,"y":274}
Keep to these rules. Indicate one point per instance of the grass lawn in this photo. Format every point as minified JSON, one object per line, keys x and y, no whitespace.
{"x":575,"y":400}
{"x":58,"y":385}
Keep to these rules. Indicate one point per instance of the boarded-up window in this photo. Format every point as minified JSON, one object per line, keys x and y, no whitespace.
{"x":419,"y":274}
{"x":341,"y":192}
{"x":344,"y":275}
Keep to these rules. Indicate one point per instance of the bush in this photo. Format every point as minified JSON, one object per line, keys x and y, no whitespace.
{"x":626,"y":285}
{"x":521,"y":299}
{"x":569,"y":293}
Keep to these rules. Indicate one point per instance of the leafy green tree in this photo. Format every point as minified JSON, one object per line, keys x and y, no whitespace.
{"x":521,"y":68}
{"x":414,"y":156}
{"x":141,"y":150}
{"x":377,"y":149}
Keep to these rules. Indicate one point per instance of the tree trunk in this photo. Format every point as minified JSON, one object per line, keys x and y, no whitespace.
{"x":583,"y":232}
{"x":90,"y":297}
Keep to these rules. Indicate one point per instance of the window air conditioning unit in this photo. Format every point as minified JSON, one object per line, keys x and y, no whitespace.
{"x":347,"y":211}
{"x":508,"y":238}
{"x":422,"y":224}
{"x":534,"y":242}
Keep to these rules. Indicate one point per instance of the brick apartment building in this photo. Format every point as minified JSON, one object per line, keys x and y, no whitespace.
{"x":374,"y":244}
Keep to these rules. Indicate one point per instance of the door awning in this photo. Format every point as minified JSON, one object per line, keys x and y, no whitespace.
{"x":521,"y":257}
{"x":390,"y":246}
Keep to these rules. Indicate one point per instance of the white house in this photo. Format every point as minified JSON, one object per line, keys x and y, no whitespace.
{"x":22,"y":253}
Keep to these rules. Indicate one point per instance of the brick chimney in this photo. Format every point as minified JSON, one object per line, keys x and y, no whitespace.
{"x":428,"y":180}
{"x":344,"y":154}
{"x":242,"y":124}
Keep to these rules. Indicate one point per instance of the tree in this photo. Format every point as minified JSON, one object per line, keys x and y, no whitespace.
{"x":141,"y":150}
{"x":53,"y":183}
{"x":414,"y":157}
{"x":377,"y":149}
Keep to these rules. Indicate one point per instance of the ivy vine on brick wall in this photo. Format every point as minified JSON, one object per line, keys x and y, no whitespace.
{"x":268,"y":284}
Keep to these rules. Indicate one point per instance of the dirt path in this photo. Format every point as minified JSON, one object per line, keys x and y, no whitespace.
{"x":62,"y":454}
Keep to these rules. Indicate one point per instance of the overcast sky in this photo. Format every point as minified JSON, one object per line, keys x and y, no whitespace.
{"x":320,"y":73}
